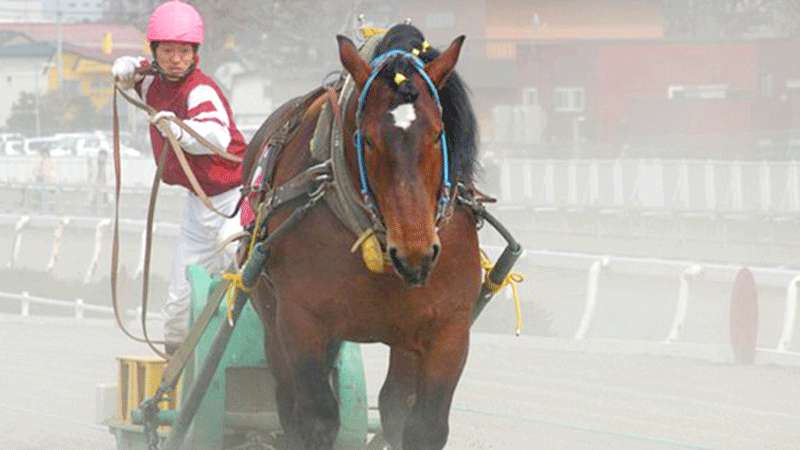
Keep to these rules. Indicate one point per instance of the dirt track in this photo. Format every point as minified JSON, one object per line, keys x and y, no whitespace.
{"x":515,"y":394}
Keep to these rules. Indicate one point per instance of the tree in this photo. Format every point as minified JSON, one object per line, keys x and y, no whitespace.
{"x":57,"y":112}
{"x":23,"y":115}
{"x":291,"y":37}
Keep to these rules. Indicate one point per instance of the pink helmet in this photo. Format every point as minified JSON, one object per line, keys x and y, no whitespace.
{"x":175,"y":21}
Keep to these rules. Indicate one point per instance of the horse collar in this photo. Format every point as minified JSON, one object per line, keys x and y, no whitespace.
{"x":369,"y":202}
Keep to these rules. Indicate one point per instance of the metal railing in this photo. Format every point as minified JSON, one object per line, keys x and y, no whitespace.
{"x":734,"y":187}
{"x":100,"y":226}
{"x":73,"y":170}
{"x":78,"y":306}
{"x":687,"y":272}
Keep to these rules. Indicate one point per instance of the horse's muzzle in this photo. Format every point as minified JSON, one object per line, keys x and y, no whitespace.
{"x":415,"y":274}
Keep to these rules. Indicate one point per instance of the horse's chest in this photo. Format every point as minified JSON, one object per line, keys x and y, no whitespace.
{"x":393,"y":320}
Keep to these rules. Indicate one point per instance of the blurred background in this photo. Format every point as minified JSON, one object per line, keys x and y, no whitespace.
{"x":642,"y":151}
{"x":661,"y":130}
{"x":665,"y":132}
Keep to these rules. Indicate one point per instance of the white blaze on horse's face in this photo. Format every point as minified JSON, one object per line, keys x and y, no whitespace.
{"x":404,"y":115}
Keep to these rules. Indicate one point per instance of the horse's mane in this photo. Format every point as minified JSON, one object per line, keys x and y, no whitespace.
{"x":459,"y":118}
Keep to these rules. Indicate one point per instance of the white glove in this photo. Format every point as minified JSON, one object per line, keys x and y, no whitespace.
{"x":124,"y":70}
{"x":167,"y":123}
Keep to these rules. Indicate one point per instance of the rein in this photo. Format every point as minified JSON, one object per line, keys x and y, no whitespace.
{"x":445,"y":196}
{"x":198,"y":190}
{"x":311,"y":183}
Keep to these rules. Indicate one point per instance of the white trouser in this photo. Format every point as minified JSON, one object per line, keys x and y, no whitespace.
{"x":201,"y":234}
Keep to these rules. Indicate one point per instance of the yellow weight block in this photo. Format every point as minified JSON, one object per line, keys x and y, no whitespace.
{"x":138,"y":379}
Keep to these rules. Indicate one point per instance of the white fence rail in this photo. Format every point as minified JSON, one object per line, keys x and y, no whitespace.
{"x":101,"y":227}
{"x":770,"y":187}
{"x":78,"y":306}
{"x":685,"y":272}
{"x":136,"y":172}
{"x":676,"y":185}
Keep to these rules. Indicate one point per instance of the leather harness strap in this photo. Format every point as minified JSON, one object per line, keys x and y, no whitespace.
{"x":274,"y":133}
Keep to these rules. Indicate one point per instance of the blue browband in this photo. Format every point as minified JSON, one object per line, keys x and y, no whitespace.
{"x":377,"y":64}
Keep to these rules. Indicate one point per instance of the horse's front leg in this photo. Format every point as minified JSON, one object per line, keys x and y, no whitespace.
{"x":398,"y":394}
{"x":307,"y":350}
{"x":427,"y":426}
{"x":265,"y":304}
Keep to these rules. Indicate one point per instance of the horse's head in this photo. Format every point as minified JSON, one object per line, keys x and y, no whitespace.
{"x":402,"y":150}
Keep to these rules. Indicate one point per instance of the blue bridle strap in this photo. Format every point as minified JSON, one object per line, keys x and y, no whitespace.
{"x":377,"y":65}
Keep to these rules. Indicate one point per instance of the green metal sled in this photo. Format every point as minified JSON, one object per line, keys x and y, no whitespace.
{"x":238,"y":407}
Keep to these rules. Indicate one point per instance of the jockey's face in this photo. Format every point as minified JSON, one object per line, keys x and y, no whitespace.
{"x":174,"y":57}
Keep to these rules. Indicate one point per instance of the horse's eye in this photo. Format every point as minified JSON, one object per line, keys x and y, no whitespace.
{"x":368,"y":143}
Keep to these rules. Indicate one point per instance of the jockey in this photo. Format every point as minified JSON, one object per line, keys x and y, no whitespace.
{"x":180,"y":89}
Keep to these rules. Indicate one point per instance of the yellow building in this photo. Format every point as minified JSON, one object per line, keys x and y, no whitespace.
{"x":88,"y":49}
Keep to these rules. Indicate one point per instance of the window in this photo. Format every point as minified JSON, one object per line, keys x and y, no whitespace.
{"x":698,"y":92}
{"x":530,"y":96}
{"x":501,"y":50}
{"x":767,"y":85}
{"x":440,"y":20}
{"x":569,"y":99}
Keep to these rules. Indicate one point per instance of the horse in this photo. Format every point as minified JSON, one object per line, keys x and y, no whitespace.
{"x":415,"y":141}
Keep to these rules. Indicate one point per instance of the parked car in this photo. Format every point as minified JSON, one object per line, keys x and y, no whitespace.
{"x":11,"y":144}
{"x":90,"y":143}
{"x":55,"y":145}
{"x":91,"y":146}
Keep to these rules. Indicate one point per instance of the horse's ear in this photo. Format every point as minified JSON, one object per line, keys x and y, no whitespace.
{"x":352,"y":61}
{"x":440,"y":68}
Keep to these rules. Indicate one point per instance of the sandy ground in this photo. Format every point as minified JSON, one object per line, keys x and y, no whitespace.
{"x":516,"y":393}
{"x":530,"y":392}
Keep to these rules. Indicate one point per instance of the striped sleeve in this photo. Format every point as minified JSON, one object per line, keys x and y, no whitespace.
{"x":208,"y":117}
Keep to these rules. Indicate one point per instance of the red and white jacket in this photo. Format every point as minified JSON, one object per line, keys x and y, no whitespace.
{"x":199,"y":102}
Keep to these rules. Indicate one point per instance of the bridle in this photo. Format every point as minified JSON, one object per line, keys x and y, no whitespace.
{"x":377,"y":64}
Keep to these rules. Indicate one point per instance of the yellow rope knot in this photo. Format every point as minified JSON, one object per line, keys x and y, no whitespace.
{"x":231,"y":296}
{"x":513,"y":279}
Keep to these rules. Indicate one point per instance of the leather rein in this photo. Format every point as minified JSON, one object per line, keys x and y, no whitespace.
{"x":311,"y":183}
{"x":196,"y":188}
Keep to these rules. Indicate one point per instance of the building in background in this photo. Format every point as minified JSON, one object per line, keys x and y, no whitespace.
{"x":24,"y":67}
{"x":74,"y":10}
{"x":622,"y":77}
{"x":88,"y":49}
{"x":22,"y":11}
{"x":53,"y":10}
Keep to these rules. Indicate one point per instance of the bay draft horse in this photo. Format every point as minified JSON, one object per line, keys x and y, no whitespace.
{"x":316,"y":293}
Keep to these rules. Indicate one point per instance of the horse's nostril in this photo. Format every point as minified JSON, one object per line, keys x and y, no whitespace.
{"x":393,"y":253}
{"x":436,"y":249}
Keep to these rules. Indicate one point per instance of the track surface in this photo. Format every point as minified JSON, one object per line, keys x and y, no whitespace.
{"x":513,"y":395}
